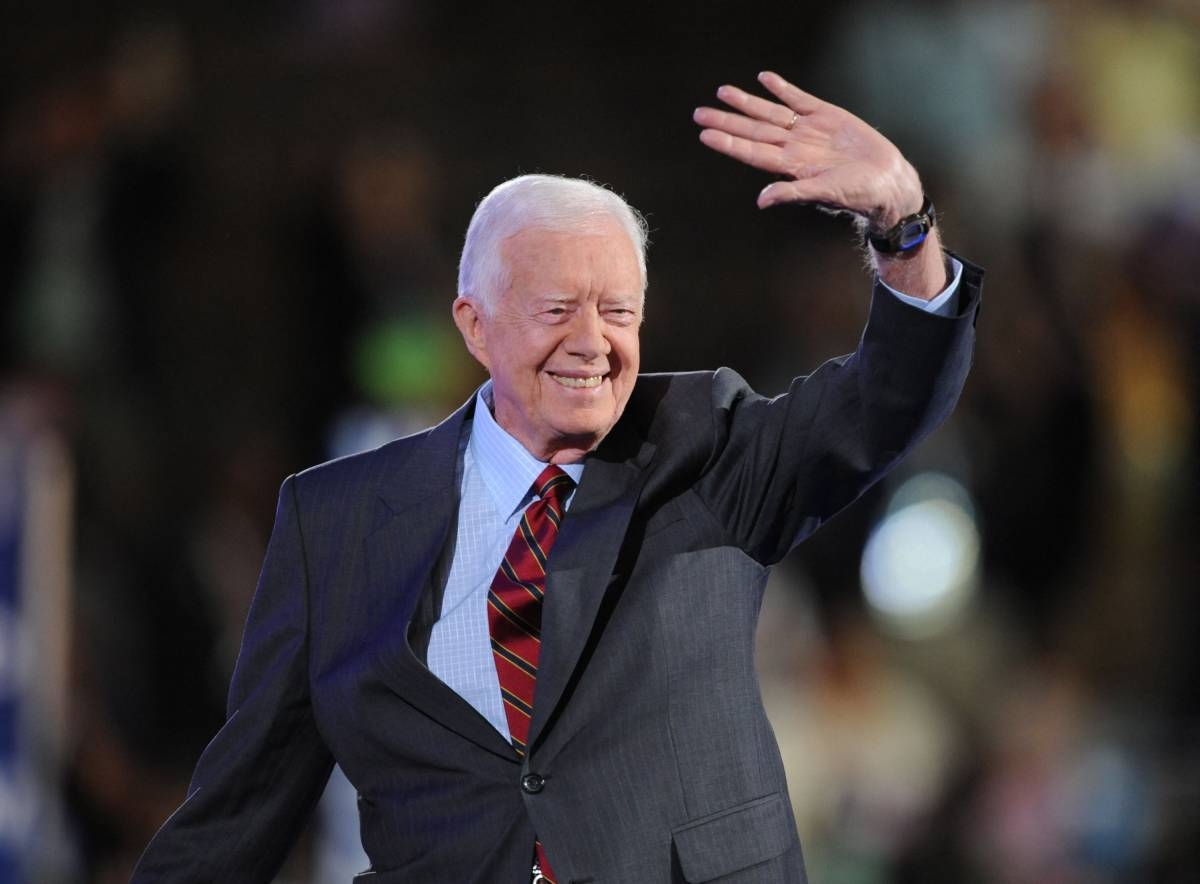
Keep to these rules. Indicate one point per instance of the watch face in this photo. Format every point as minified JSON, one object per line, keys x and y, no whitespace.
{"x":912,"y":235}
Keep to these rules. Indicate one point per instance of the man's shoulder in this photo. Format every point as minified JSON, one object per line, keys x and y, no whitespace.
{"x":681,"y":414}
{"x":668,"y":405}
{"x":353,"y":468}
{"x":391,"y":471}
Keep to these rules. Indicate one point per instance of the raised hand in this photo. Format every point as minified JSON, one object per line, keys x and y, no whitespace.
{"x":831,"y":157}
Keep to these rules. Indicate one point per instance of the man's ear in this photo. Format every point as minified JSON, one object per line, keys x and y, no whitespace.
{"x":468,"y":316}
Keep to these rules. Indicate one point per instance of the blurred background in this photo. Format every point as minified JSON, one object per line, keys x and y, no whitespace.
{"x":228,"y":244}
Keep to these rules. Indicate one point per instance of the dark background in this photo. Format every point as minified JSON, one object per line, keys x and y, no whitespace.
{"x":228,"y":245}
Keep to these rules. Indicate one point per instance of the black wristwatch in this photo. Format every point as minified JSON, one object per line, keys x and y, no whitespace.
{"x":907,"y":233}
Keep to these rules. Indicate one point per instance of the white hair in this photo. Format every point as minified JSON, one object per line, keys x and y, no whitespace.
{"x":553,"y":202}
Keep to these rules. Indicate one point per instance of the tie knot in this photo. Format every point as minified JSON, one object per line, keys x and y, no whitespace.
{"x":553,"y":484}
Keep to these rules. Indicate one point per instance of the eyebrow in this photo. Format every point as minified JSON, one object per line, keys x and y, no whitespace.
{"x":557,"y":298}
{"x":624,"y":298}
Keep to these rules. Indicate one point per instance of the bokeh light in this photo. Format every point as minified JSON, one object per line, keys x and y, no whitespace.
{"x":920,"y":566}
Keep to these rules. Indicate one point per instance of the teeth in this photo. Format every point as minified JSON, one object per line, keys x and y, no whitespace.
{"x":593,"y":381}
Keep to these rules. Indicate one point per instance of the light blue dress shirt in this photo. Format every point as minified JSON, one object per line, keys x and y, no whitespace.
{"x":497,"y":477}
{"x":945,"y":302}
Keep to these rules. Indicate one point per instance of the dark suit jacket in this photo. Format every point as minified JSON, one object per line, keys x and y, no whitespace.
{"x":655,"y":758}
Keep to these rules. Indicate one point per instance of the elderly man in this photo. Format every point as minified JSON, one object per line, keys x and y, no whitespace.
{"x":526,"y":634}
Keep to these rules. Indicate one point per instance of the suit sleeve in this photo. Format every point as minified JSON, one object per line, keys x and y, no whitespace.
{"x":781,"y":467}
{"x":258,"y":780}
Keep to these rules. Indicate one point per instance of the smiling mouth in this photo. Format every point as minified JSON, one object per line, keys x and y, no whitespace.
{"x":578,"y":383}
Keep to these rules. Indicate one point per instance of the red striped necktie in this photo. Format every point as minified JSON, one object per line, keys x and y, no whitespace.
{"x":515,"y":609}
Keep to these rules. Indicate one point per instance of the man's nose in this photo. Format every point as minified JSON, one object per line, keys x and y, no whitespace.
{"x":587,"y":339}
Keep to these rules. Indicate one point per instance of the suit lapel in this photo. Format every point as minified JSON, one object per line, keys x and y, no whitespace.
{"x":420,"y":500}
{"x":581,"y":565}
{"x":402,"y":557}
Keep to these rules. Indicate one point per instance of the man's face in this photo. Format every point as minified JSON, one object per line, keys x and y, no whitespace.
{"x":561,"y":342}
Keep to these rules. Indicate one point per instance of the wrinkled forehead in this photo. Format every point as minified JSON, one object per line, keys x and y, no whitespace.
{"x":599,"y":241}
{"x":596,"y":257}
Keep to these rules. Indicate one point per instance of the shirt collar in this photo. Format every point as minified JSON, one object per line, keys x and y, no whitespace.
{"x":507,"y":468}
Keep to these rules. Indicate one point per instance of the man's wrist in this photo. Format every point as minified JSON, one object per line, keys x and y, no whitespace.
{"x":921,"y":273}
{"x":904,"y":238}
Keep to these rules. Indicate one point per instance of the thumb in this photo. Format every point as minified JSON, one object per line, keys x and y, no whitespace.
{"x":807,"y":191}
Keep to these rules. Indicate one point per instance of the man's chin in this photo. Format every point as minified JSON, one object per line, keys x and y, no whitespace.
{"x":581,"y":437}
{"x":582,"y":429}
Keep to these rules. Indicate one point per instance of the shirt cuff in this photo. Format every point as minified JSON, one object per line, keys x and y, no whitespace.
{"x":945,"y":302}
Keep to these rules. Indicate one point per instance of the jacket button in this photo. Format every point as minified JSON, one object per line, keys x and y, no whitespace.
{"x":533,"y":783}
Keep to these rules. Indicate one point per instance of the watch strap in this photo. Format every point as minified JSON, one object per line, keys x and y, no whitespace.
{"x":906,"y":234}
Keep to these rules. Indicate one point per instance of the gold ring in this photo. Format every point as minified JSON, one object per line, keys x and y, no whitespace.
{"x":792,"y":121}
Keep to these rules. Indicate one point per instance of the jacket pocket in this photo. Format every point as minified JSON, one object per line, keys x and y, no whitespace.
{"x":734,"y":839}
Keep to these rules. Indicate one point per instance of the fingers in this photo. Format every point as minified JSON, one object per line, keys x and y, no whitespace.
{"x":767,"y":157}
{"x":736,"y":124}
{"x":758,"y":108}
{"x":758,"y":135}
{"x":794,"y":97}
